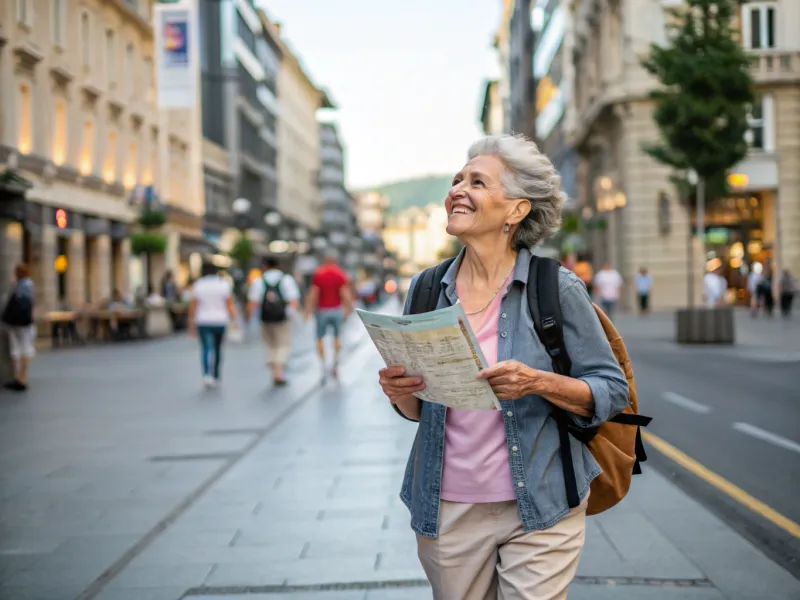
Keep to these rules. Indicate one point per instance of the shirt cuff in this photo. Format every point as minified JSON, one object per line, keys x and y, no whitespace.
{"x":601,"y":394}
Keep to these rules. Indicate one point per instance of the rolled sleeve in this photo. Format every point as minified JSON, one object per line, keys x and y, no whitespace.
{"x":593,"y":360}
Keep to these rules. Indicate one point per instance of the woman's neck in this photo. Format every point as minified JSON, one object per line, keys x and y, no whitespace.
{"x":486,"y":264}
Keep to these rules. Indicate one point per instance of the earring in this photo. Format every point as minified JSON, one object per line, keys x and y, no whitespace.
{"x":506,"y":227}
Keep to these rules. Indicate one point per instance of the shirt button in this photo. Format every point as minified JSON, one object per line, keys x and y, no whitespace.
{"x":514,"y":448}
{"x":504,"y":334}
{"x":503,"y":315}
{"x":521,"y":484}
{"x":509,"y":414}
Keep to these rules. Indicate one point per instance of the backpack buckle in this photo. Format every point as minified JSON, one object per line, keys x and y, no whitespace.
{"x":548,"y":322}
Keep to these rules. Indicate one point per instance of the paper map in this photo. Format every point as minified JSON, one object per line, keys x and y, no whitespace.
{"x":441,"y":348}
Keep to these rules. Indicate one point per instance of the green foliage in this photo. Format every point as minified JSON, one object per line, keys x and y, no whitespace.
{"x":242,"y":251}
{"x":11,"y":180}
{"x":152,"y":219}
{"x":420,"y":191}
{"x":570,"y":223}
{"x":702,"y":107}
{"x":148,"y":242}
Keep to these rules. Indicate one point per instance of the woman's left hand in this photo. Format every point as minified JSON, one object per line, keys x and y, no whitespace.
{"x":511,"y":379}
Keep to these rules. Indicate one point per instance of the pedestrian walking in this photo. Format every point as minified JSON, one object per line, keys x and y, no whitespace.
{"x":644,"y":283}
{"x":18,"y":319}
{"x":714,"y":288}
{"x":488,"y":498}
{"x":607,"y":283}
{"x":211,"y":310}
{"x":275,"y":297}
{"x":753,"y":280}
{"x":788,"y":288}
{"x":331,"y":299}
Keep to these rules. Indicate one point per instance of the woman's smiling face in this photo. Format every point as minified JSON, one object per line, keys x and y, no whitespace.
{"x":476,"y":203}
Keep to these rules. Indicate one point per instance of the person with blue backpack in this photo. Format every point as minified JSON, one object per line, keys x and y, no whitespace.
{"x":18,"y":319}
{"x":499,"y":498}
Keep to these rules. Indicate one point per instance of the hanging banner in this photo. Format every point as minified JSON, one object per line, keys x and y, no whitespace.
{"x":176,"y":47}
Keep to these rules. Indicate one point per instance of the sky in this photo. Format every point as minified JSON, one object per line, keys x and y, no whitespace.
{"x":407,"y":76}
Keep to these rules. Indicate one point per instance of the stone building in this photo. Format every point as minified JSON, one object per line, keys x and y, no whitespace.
{"x":78,"y":119}
{"x":622,"y":188}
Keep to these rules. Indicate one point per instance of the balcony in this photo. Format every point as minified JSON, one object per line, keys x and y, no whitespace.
{"x":775,"y":66}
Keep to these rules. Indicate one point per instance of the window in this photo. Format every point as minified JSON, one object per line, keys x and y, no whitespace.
{"x":132,"y":171}
{"x":761,"y":133}
{"x":110,"y":58}
{"x":86,"y":41}
{"x":147,"y":76}
{"x":87,"y":152}
{"x":60,"y":134}
{"x":758,"y":25}
{"x":25,"y":12}
{"x":110,"y":166}
{"x":25,"y":133}
{"x":128,"y":74}
{"x":57,"y":21}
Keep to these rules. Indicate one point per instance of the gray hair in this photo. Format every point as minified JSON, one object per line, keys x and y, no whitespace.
{"x":528,"y":174}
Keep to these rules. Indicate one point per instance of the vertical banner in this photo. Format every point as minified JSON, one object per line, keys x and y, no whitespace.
{"x":176,"y":55}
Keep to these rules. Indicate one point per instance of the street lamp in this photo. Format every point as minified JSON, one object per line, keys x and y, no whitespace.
{"x":242,"y":206}
{"x":273,"y":218}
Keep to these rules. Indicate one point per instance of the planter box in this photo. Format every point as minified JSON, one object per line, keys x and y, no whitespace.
{"x":705,"y":326}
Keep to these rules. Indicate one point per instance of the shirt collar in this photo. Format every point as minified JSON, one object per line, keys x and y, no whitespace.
{"x":521,"y":269}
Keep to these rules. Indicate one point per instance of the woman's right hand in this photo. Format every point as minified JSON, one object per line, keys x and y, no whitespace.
{"x":400,"y":390}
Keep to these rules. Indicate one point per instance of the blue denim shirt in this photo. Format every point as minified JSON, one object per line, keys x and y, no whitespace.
{"x":531,"y":431}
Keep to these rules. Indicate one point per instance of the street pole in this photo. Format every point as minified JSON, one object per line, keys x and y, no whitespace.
{"x":701,"y":217}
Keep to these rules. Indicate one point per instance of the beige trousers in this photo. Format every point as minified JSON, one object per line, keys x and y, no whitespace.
{"x":278,"y":340}
{"x":482,"y":553}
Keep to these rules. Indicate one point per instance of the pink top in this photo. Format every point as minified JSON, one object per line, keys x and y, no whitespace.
{"x":476,"y":467}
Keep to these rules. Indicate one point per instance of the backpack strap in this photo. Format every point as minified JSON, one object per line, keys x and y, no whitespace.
{"x":425,"y":296}
{"x":548,"y":321}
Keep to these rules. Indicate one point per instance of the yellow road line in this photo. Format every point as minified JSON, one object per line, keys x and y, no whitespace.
{"x":722,"y":484}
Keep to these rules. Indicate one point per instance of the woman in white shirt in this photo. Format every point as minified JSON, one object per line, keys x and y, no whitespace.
{"x":210,"y":311}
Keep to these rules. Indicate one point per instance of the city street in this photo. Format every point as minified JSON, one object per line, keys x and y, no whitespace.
{"x":122,"y":480}
{"x":735,"y":411}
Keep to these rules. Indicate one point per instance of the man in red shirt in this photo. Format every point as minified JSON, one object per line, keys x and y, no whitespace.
{"x":330,"y":298}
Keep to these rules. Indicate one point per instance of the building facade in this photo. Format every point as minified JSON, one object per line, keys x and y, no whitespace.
{"x":521,"y":86}
{"x":299,"y":197}
{"x":239,"y":78}
{"x":338,"y":206}
{"x":627,"y":195}
{"x":78,"y":120}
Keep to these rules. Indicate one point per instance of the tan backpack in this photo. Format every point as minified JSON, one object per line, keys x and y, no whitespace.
{"x":617,"y":444}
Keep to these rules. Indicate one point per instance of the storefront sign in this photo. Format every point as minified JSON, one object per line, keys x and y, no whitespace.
{"x":176,"y":55}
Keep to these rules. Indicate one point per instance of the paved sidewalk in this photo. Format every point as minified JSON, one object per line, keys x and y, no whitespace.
{"x":761,"y":339}
{"x":314,"y":507}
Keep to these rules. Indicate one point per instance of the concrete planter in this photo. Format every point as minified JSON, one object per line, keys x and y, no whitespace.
{"x":158,"y":322}
{"x":705,"y":326}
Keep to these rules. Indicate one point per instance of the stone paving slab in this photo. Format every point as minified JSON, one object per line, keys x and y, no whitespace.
{"x":316,"y":503}
{"x":109,"y":440}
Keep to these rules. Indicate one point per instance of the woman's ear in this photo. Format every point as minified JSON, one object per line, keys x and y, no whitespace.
{"x":520,"y":210}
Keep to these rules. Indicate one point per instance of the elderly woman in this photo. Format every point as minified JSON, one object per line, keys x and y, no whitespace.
{"x":486,"y":489}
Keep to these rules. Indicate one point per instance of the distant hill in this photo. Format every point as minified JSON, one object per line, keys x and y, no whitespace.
{"x":419,"y":191}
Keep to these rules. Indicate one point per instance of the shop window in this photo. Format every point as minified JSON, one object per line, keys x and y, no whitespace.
{"x":25,"y":135}
{"x":59,"y":133}
{"x":759,"y":25}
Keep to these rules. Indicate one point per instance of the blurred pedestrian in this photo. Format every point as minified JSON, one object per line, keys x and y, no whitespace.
{"x":276,"y":298}
{"x":18,"y":318}
{"x":331,"y":299}
{"x":211,"y":310}
{"x":788,"y":288}
{"x":753,"y":280}
{"x":583,"y":269}
{"x":485,"y":488}
{"x":607,"y":283}
{"x":766,"y":299}
{"x":714,"y":288}
{"x":644,"y":283}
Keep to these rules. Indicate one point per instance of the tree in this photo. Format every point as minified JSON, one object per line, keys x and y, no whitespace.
{"x":702,"y":107}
